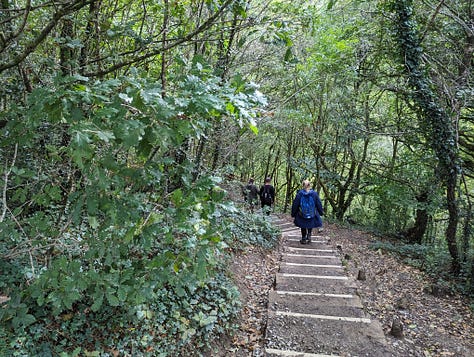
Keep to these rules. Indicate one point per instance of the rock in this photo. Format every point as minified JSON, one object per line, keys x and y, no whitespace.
{"x":402,"y":303}
{"x":361,"y":275}
{"x":397,"y":328}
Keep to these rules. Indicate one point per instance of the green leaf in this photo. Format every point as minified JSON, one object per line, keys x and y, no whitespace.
{"x":129,"y":132}
{"x":176,"y":197}
{"x":93,"y":222}
{"x":112,"y":299}
{"x":122,"y":293}
{"x":105,"y":136}
{"x":98,"y":301}
{"x":92,"y":204}
{"x":180,"y":292}
{"x":331,"y":4}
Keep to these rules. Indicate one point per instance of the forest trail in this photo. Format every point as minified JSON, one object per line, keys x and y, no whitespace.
{"x":314,"y":309}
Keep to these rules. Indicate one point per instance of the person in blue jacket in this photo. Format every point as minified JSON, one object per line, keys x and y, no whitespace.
{"x":307,"y":210}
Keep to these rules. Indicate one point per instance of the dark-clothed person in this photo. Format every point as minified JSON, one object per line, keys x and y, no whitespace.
{"x":251,"y":194}
{"x":267,"y":196}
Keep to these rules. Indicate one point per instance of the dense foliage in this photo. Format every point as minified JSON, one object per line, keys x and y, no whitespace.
{"x":122,"y":121}
{"x":374,"y":106}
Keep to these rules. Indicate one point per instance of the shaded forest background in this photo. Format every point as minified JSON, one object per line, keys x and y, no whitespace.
{"x":123,"y":123}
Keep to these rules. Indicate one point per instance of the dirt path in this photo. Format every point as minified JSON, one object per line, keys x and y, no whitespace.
{"x":432,"y":326}
{"x":314,"y":309}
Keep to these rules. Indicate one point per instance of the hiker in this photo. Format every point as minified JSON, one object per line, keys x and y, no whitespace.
{"x":267,"y":196}
{"x":251,"y":194}
{"x":307,"y":210}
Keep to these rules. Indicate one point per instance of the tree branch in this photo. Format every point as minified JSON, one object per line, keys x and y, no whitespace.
{"x":165,"y":47}
{"x":32,"y":45}
{"x":435,"y":13}
{"x":5,"y":185}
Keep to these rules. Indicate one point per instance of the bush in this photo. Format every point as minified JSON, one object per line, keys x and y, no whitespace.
{"x":108,"y":238}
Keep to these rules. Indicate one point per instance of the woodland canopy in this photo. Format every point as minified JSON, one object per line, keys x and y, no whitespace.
{"x":123,"y":122}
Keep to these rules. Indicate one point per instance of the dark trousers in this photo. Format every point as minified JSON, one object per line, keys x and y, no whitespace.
{"x":306,"y":232}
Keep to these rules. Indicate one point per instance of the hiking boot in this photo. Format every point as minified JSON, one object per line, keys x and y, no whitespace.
{"x":303,"y":240}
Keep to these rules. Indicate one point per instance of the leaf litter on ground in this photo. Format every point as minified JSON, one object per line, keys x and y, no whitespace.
{"x":432,"y":325}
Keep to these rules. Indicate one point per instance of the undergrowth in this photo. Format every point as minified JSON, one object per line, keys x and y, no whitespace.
{"x":148,"y":296}
{"x":432,"y":259}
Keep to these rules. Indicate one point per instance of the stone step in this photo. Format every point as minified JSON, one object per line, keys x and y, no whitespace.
{"x":311,"y":268}
{"x":311,"y":249}
{"x":297,"y":234}
{"x":314,"y":309}
{"x":318,"y":259}
{"x":315,"y":241}
{"x":289,"y":231}
{"x":270,"y":352}
{"x":285,"y":225}
{"x":314,"y":284}
{"x":316,"y":305}
{"x":322,"y":334}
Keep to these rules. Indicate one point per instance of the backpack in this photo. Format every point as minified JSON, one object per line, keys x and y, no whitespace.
{"x":266,"y":195}
{"x":251,"y":192}
{"x":307,"y":205}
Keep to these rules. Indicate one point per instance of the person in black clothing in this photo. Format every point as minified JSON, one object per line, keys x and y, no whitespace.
{"x":267,"y":196}
{"x":251,"y":194}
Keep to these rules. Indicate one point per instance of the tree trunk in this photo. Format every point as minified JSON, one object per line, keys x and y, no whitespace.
{"x":66,"y":54}
{"x":91,"y":40}
{"x":439,"y":131}
{"x":416,"y":233}
{"x":452,"y":224}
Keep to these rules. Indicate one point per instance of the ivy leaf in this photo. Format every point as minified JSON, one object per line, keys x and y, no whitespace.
{"x":176,"y":197}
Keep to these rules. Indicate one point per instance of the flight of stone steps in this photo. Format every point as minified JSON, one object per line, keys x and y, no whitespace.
{"x":314,"y":309}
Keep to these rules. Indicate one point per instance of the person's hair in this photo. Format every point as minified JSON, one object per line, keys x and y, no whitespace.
{"x":268,"y":179}
{"x":306,"y":185}
{"x":251,"y":180}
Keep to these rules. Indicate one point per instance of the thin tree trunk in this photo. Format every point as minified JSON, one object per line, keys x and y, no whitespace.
{"x":92,"y":37}
{"x":66,"y":54}
{"x":467,"y":229}
{"x":163,"y":54}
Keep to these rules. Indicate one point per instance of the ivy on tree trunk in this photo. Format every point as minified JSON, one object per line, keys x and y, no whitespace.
{"x":439,"y":130}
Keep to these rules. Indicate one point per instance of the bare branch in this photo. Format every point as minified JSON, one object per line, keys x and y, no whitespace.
{"x":32,"y":45}
{"x":165,"y":46}
{"x":435,"y":13}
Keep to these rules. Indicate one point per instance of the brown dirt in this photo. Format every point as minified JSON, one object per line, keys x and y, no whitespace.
{"x":393,"y":291}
